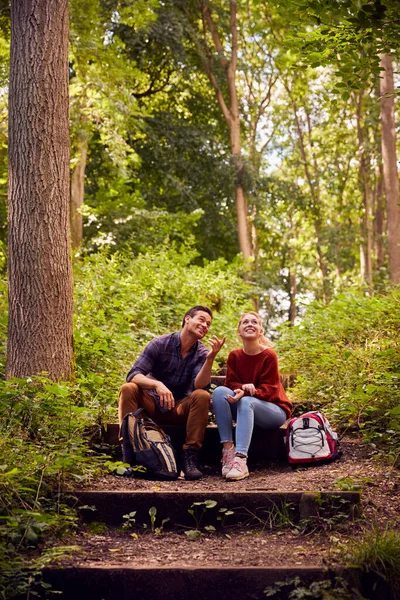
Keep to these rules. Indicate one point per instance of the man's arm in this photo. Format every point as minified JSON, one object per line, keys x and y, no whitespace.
{"x":147,"y":383}
{"x":204,"y":375}
{"x":143,"y":365}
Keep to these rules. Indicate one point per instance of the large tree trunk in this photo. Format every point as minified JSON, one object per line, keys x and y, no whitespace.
{"x":390,"y":173}
{"x":39,"y":265}
{"x":78,"y":195}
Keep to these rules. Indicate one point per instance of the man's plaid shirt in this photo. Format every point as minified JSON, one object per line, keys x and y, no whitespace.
{"x":162,"y":360}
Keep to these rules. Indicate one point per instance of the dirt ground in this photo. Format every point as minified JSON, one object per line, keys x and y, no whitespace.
{"x":359,"y":469}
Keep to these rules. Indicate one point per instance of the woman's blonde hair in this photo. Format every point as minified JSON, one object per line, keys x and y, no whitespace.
{"x":263,"y":339}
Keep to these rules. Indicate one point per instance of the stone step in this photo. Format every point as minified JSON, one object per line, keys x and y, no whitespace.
{"x":208,"y":583}
{"x":264,"y":444}
{"x":250,"y":508}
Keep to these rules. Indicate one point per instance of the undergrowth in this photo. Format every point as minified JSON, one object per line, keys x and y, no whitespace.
{"x":346,"y":358}
{"x":120,"y":304}
{"x":346,"y":362}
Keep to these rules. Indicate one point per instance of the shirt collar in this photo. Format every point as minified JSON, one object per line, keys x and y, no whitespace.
{"x":177,"y":342}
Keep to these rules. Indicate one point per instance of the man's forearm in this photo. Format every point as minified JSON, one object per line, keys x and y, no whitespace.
{"x":204,"y":375}
{"x":144,"y":382}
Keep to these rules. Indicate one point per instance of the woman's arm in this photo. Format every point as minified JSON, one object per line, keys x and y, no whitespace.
{"x":232,"y":379}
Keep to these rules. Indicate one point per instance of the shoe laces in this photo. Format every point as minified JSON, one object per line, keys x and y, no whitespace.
{"x":191,"y":460}
{"x":228,"y":456}
{"x":238,"y":464}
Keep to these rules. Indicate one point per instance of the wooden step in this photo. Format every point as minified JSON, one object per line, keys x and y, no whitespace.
{"x":248,"y":507}
{"x":209,"y":583}
{"x":264,"y":444}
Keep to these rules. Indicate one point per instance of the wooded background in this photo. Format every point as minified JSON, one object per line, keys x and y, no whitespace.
{"x":261,"y":134}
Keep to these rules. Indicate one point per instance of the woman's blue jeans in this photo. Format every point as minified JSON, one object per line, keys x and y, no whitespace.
{"x":247,"y":411}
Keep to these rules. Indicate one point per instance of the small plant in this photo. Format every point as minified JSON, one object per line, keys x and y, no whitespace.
{"x":193,"y":534}
{"x":271,"y":518}
{"x":153,"y":515}
{"x":198,"y":510}
{"x":123,"y":469}
{"x":296,"y":589}
{"x":351,"y":484}
{"x":224,"y":513}
{"x":129,"y":520}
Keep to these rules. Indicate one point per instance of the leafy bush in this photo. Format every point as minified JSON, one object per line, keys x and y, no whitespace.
{"x":346,"y":358}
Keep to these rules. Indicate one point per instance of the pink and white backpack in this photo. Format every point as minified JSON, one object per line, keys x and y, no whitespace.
{"x":310,"y":440}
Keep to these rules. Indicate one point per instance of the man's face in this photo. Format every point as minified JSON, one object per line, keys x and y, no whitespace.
{"x":199,"y":324}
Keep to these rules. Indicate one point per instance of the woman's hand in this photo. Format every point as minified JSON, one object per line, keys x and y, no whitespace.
{"x":238,"y":394}
{"x":249,"y":388}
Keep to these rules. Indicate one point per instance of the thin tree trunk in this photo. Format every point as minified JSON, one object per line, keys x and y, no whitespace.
{"x":390,"y":173}
{"x":78,"y":195}
{"x":313,"y":183}
{"x":365,"y":222}
{"x":231,"y":112}
{"x":39,"y":265}
{"x":379,"y":218}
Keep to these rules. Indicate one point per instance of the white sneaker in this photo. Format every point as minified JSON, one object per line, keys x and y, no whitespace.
{"x":239,"y":469}
{"x":228,"y":457}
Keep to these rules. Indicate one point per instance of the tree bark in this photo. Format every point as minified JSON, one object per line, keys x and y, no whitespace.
{"x":78,"y":195}
{"x":231,"y":112}
{"x":379,"y":212}
{"x":365,"y":222}
{"x":390,"y":174}
{"x":39,"y":263}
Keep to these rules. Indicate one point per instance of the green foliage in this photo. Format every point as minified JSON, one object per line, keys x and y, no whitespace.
{"x":129,"y":300}
{"x":326,"y":589}
{"x":379,"y":552}
{"x":346,"y":358}
{"x":42,"y":446}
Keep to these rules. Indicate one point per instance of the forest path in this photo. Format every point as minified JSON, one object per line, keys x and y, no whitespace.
{"x":240,"y":559}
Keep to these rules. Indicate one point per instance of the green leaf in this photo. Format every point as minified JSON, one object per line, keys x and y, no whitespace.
{"x":193,"y":534}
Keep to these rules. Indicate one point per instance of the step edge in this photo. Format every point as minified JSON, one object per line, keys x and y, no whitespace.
{"x":183,"y":493}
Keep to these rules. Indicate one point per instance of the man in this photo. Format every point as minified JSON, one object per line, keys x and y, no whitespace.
{"x":169,"y":379}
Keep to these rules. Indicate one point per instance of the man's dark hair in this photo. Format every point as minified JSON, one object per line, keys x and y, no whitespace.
{"x":192,"y":311}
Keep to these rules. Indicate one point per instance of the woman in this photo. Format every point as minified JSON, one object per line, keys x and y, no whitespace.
{"x":252,"y":394}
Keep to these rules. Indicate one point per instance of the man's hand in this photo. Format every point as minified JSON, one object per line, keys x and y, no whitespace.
{"x":165,"y":395}
{"x":216,"y":345}
{"x":238,"y":394}
{"x":249,"y":388}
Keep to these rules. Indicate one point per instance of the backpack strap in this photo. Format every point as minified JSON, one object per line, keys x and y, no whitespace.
{"x":138,"y":412}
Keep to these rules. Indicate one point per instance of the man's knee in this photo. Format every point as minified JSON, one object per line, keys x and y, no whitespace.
{"x":201,"y":397}
{"x":129,"y":391}
{"x":129,"y":395}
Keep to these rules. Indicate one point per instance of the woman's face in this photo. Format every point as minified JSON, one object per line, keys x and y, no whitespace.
{"x":250,"y":327}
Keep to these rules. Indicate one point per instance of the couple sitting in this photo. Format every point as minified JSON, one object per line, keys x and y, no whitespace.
{"x":170,"y":381}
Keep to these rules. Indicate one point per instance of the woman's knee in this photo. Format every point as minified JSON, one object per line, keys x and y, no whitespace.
{"x":220,"y":393}
{"x":245,"y":403}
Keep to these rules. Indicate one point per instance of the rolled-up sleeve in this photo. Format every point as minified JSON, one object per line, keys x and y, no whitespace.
{"x":197,"y":368}
{"x":144,"y":363}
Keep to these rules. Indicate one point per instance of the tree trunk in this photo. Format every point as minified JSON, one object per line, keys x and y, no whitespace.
{"x":390,"y":173}
{"x":78,"y":195}
{"x":229,"y":110}
{"x":379,"y":218}
{"x":39,"y":265}
{"x":365,"y":222}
